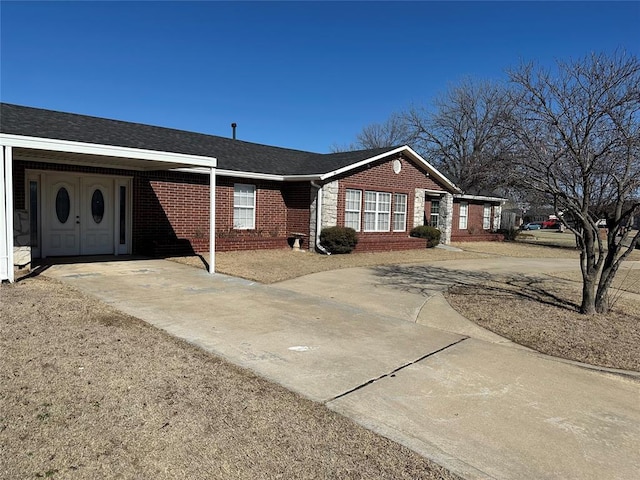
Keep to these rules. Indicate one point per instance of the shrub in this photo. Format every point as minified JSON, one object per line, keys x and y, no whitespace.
{"x":338,"y":239}
{"x":431,"y":234}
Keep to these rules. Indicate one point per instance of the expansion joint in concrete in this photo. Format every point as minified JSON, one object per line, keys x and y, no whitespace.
{"x":396,"y":370}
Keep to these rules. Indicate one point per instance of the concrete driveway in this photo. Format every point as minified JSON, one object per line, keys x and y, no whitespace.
{"x":358,"y":340}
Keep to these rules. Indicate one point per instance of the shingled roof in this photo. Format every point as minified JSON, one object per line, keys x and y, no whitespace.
{"x":233,"y":155}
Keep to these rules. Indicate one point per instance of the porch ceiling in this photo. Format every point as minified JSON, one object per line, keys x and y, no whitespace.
{"x":69,"y":158}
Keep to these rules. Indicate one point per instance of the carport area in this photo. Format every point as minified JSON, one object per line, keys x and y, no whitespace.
{"x":73,"y":193}
{"x":479,"y":407}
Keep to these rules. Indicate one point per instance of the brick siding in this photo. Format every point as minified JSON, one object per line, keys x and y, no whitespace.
{"x":474,"y":231}
{"x":380,"y":177}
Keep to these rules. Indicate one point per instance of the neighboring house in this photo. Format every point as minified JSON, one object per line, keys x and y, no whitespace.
{"x":78,"y":185}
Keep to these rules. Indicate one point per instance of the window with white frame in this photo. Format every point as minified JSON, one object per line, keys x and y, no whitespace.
{"x":244,"y":206}
{"x":486,"y":216}
{"x":352,"y":206}
{"x":464,"y":214}
{"x":434,"y":215}
{"x":399,"y":212}
{"x":377,"y":211}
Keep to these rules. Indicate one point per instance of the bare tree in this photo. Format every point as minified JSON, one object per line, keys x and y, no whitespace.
{"x":391,"y":133}
{"x":579,"y":143}
{"x":464,"y":137}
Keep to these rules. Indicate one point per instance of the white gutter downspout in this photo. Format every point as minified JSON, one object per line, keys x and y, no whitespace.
{"x":319,"y":217}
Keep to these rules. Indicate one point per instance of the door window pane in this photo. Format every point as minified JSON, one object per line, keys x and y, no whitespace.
{"x":33,"y":213}
{"x":63,"y":205}
{"x":97,"y":206}
{"x":123,"y":215}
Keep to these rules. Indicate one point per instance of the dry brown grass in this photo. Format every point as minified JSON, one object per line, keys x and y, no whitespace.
{"x":271,"y":266}
{"x":626,"y":280}
{"x":87,"y":392}
{"x":543,"y":314}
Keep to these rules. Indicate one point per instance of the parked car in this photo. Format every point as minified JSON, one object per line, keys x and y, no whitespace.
{"x":532,"y":226}
{"x":551,"y":223}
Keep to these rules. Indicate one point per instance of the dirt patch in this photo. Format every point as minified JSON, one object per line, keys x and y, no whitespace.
{"x":87,"y":392}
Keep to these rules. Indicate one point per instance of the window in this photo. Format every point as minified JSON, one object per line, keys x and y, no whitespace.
{"x":464,"y":213}
{"x":33,"y":213}
{"x":352,"y":206}
{"x":486,"y":216}
{"x":123,"y":215}
{"x":434,"y":218}
{"x":399,"y":212}
{"x":244,"y":206}
{"x":377,"y":211}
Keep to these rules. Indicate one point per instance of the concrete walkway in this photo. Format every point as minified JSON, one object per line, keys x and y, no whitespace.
{"x":376,"y":345}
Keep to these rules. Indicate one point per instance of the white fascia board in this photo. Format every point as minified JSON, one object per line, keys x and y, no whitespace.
{"x":432,"y":169}
{"x":435,"y":192}
{"x":252,"y":175}
{"x":361,"y":163}
{"x":481,"y":198}
{"x":404,"y":149}
{"x":39,"y":143}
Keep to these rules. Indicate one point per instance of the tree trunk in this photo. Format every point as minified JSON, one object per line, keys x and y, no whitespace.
{"x":588,"y":306}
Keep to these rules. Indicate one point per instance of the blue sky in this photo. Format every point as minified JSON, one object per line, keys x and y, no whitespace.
{"x":303,"y":75}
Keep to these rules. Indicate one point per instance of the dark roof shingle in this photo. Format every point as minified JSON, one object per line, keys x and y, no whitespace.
{"x":234,"y":155}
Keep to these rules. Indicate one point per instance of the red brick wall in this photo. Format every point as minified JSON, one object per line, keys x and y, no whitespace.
{"x":474,"y":230}
{"x":380,"y":177}
{"x":281,"y":208}
{"x":170,"y":213}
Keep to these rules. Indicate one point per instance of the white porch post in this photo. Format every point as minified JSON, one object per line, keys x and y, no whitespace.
{"x":212,"y":220}
{"x":6,"y":223}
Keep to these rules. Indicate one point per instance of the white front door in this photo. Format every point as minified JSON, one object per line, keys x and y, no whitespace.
{"x":96,"y":216}
{"x":78,"y":216}
{"x":61,"y":216}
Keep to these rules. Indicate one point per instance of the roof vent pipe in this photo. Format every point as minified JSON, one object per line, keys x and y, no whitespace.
{"x":233,"y":129}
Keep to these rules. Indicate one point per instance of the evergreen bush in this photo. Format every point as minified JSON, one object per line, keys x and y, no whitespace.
{"x":338,"y":239}
{"x":431,"y":234}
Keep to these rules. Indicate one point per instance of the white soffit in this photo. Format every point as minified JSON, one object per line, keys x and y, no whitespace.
{"x":106,"y":155}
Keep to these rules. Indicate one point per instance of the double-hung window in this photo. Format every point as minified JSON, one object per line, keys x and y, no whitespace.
{"x":244,"y":206}
{"x":486,"y":216}
{"x":353,"y":204}
{"x":399,"y":212}
{"x":464,"y":214}
{"x":377,"y":211}
{"x":434,"y":217}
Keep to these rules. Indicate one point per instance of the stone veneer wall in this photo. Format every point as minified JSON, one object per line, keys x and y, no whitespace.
{"x":21,"y":238}
{"x":418,"y":207}
{"x":446,"y":218}
{"x":330,"y":204}
{"x":313,"y":200}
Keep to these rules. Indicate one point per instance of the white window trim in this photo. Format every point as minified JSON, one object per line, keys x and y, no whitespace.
{"x":377,"y":212}
{"x":463,"y":225}
{"x":486,"y":216}
{"x":431,"y":214}
{"x":398,"y":212}
{"x":358,"y":211}
{"x":245,"y":207}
